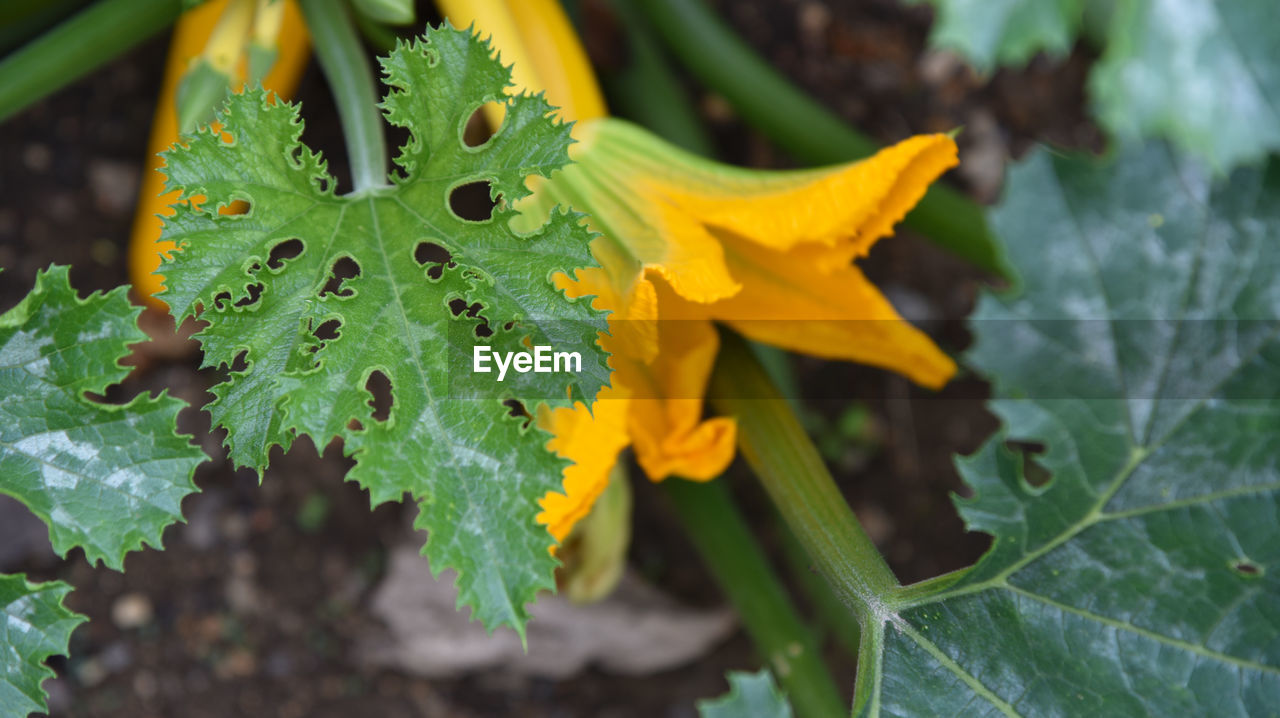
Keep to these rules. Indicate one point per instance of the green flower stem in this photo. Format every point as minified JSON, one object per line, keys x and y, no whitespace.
{"x":802,"y":126}
{"x":77,"y":47}
{"x":744,"y":574}
{"x":794,"y":476}
{"x":646,"y":89}
{"x":21,"y":20}
{"x":833,"y":617}
{"x":350,"y":76}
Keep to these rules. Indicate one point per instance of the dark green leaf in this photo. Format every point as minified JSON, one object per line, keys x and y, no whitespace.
{"x":751,"y":695}
{"x":1005,"y":32}
{"x":105,"y":478}
{"x":1142,"y":350}
{"x":1204,"y":74}
{"x":34,"y":626}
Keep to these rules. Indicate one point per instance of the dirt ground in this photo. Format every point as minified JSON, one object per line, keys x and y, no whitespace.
{"x":255,"y":604}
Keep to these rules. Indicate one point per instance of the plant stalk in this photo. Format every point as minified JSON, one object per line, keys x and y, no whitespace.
{"x":795,"y":478}
{"x":350,"y":76}
{"x":743,"y":572}
{"x":78,"y":46}
{"x":803,"y":127}
{"x":646,"y":89}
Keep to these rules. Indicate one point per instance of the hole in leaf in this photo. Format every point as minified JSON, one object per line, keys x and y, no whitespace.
{"x":428,"y":253}
{"x":343,"y":269}
{"x":483,"y":330}
{"x":516,"y":408}
{"x":286,"y":250}
{"x":236,"y":206}
{"x":508,"y":326}
{"x":328,"y":331}
{"x":434,"y":255}
{"x":355,"y":425}
{"x":1247,"y":568}
{"x":472,"y":201}
{"x":1036,"y":476}
{"x":255,"y":293}
{"x":380,"y":387}
{"x":477,"y":131}
{"x":240,"y":363}
{"x":221,"y":300}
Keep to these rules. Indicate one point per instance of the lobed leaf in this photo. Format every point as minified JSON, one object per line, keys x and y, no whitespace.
{"x":1204,"y":74}
{"x":309,"y":295}
{"x":1142,"y":350}
{"x":1006,"y":32}
{"x":35,"y":626}
{"x":751,"y":695}
{"x":106,"y":478}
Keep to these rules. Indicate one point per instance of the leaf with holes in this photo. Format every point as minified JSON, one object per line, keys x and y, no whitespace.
{"x":751,"y":695}
{"x":1142,"y":351}
{"x":106,"y":478}
{"x":315,"y":299}
{"x":33,"y":626}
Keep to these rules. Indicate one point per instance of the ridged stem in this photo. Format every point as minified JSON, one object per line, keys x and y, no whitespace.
{"x":350,"y":76}
{"x":794,"y":476}
{"x":739,"y":565}
{"x":78,"y":46}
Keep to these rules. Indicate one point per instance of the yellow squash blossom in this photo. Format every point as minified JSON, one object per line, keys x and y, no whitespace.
{"x":687,"y":242}
{"x":217,"y":31}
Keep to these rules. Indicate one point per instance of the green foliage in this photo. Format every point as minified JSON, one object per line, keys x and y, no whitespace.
{"x":449,"y":441}
{"x":751,"y":695}
{"x":106,"y":478}
{"x":35,"y":626}
{"x":1006,"y":32}
{"x":1141,"y":348}
{"x":1204,"y":74}
{"x":388,"y":12}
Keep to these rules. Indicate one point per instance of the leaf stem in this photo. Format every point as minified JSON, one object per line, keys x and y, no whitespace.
{"x":740,"y":567}
{"x":801,"y":125}
{"x":78,"y":46}
{"x":793,"y":474}
{"x":350,"y":76}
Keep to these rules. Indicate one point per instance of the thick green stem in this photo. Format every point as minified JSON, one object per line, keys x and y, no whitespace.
{"x":802,"y":126}
{"x":77,"y":47}
{"x":739,"y":565}
{"x":350,"y":76}
{"x":646,"y":89}
{"x":833,"y":617}
{"x":794,"y":476}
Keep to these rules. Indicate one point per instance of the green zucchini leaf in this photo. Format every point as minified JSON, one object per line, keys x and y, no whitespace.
{"x":314,"y":299}
{"x":1135,"y":561}
{"x":751,"y":695}
{"x":35,"y":626}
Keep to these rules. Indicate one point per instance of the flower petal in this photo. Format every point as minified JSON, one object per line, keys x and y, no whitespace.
{"x":839,"y":314}
{"x":665,"y":419}
{"x":592,"y":440}
{"x":856,"y":203}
